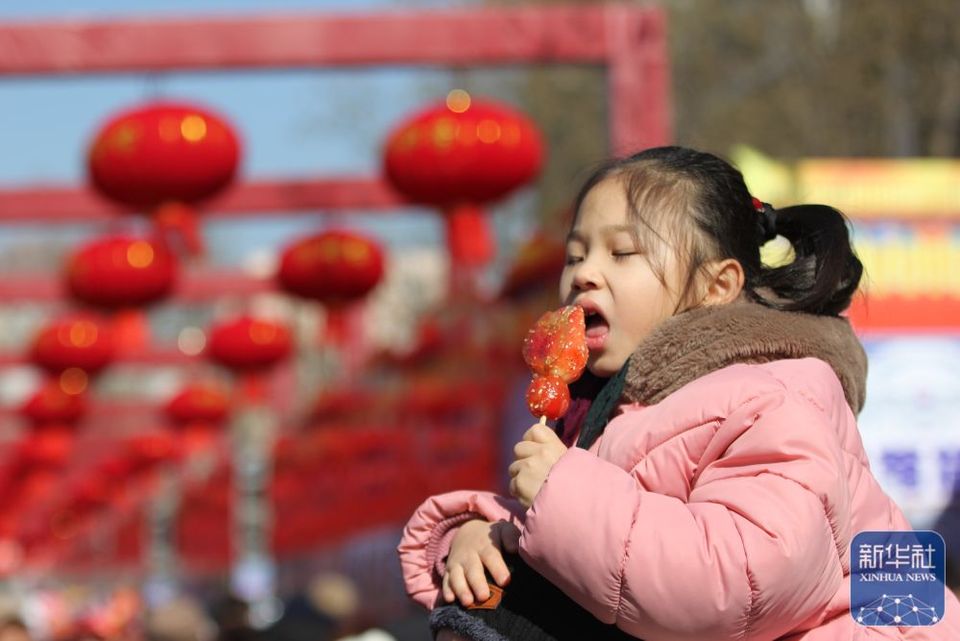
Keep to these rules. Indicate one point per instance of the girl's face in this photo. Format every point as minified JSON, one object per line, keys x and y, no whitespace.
{"x":612,"y":277}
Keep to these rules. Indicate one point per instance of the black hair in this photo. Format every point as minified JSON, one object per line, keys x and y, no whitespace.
{"x":665,"y":182}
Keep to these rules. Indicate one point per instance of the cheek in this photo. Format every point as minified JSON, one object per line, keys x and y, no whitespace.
{"x":644,"y":316}
{"x":565,"y":285}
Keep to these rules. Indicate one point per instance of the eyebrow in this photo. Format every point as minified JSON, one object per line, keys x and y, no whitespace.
{"x":575,"y":235}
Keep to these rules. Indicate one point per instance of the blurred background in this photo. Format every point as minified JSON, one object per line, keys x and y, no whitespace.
{"x":266,"y":267}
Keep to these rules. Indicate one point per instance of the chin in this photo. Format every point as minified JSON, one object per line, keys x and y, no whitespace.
{"x":602,"y":367}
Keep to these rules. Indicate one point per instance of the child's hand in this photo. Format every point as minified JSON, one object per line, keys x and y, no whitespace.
{"x":534,"y":456}
{"x":477,"y":545}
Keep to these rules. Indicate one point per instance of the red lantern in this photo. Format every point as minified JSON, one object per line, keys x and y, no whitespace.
{"x":151,"y":449}
{"x":116,"y":467}
{"x":463,"y":151}
{"x":75,"y":343}
{"x":198,"y":411}
{"x":348,"y":402}
{"x":459,"y":155}
{"x":336,"y":268}
{"x":121,"y":271}
{"x":333,"y":267}
{"x":49,"y":447}
{"x":36,"y":486}
{"x":199,"y":403}
{"x":249,"y":344}
{"x":92,"y":493}
{"x":161,"y":153}
{"x":52,"y":404}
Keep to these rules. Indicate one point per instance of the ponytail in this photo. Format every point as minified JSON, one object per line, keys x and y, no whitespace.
{"x":825,"y":271}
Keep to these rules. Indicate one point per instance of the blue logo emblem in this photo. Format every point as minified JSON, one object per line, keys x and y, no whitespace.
{"x":897,"y":578}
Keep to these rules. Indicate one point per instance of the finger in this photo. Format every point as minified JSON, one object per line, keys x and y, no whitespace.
{"x":448,"y":594}
{"x":513,"y":487}
{"x":458,"y":583}
{"x":540,"y":434}
{"x":496,"y":566}
{"x":509,"y":537}
{"x":523,"y":449}
{"x":477,"y":581}
{"x":519,"y":490}
{"x":515,"y":468}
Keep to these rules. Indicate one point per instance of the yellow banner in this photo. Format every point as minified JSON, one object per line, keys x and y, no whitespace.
{"x":928,"y":264}
{"x":926,"y":188}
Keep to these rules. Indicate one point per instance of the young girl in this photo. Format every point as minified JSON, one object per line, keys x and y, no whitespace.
{"x":717,"y":478}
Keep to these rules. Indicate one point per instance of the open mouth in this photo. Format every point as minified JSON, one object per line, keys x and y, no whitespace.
{"x":597,"y":328}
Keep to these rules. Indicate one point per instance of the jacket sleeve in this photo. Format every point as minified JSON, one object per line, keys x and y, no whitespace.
{"x":750,"y":554}
{"x":426,"y":538}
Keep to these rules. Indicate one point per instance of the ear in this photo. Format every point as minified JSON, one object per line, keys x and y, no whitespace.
{"x":724,"y":282}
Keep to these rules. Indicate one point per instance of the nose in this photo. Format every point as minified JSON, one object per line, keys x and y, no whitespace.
{"x":586,"y":276}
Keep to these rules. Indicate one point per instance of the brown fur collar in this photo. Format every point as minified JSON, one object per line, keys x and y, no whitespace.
{"x":700,"y":341}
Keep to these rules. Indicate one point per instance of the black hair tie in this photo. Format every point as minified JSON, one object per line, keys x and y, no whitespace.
{"x":768,"y":220}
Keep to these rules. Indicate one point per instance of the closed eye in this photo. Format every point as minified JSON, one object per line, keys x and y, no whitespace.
{"x":618,"y":256}
{"x":570,"y":260}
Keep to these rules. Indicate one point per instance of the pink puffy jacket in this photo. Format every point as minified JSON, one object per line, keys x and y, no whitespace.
{"x":725,"y":511}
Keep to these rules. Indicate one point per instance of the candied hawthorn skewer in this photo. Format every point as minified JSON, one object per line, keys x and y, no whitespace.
{"x":555,"y":349}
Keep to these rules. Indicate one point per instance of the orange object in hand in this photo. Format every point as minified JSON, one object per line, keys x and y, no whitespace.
{"x":548,"y":396}
{"x":556,"y":351}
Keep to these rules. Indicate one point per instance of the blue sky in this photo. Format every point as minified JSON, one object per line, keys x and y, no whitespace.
{"x":110,"y":8}
{"x":293,"y":123}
